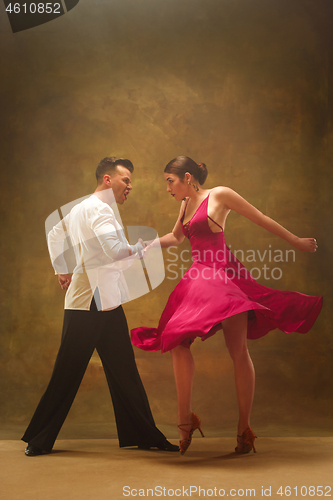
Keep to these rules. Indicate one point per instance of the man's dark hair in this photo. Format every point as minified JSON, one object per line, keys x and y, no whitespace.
{"x":109,"y":166}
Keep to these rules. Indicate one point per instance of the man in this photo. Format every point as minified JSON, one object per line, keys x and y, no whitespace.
{"x":94,"y":318}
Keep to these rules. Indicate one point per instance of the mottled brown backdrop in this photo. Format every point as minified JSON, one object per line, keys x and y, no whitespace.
{"x":244,"y":86}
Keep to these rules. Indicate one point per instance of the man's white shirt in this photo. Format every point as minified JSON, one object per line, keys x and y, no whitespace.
{"x":101,"y":253}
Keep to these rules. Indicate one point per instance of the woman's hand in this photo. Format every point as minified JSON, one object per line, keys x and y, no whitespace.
{"x":306,"y":244}
{"x":147,"y":245}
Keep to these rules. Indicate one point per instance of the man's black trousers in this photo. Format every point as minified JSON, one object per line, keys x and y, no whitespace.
{"x":106,"y":331}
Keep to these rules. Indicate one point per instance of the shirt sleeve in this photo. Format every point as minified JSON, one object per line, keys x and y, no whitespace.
{"x":57,"y":246}
{"x":111,"y":235}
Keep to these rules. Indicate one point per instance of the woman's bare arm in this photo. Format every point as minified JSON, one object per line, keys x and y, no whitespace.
{"x":171,"y":239}
{"x":234,"y":201}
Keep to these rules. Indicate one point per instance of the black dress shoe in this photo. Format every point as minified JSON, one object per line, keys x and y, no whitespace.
{"x":164,"y":445}
{"x":33,"y":451}
{"x":167,"y":446}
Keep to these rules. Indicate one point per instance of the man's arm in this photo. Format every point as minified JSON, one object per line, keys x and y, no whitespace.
{"x":104,"y":225}
{"x":56,"y":242}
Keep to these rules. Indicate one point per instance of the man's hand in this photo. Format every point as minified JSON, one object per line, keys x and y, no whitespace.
{"x":64,"y":280}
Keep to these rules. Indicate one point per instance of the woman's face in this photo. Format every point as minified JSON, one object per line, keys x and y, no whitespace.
{"x":176,"y":187}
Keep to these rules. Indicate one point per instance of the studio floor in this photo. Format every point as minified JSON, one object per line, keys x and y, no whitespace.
{"x":97,"y":469}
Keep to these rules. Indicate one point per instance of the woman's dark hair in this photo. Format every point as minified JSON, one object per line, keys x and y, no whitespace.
{"x":109,"y":166}
{"x":182,"y":164}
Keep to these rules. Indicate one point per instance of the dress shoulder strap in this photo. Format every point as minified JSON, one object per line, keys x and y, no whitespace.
{"x":215,"y":222}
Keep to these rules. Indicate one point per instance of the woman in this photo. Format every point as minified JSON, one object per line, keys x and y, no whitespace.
{"x":218,"y":292}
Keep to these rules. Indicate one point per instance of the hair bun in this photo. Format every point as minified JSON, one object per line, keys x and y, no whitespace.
{"x":182,"y":164}
{"x":202,"y":173}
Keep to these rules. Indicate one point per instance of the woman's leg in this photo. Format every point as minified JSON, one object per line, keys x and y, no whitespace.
{"x":235,"y":333}
{"x":183,"y":368}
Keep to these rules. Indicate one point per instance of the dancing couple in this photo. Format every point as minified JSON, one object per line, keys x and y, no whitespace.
{"x":208,"y":298}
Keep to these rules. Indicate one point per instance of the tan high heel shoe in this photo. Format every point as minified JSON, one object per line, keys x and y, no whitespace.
{"x":195,"y":424}
{"x":245,"y":442}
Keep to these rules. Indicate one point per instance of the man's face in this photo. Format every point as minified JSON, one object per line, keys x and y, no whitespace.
{"x":121,"y":184}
